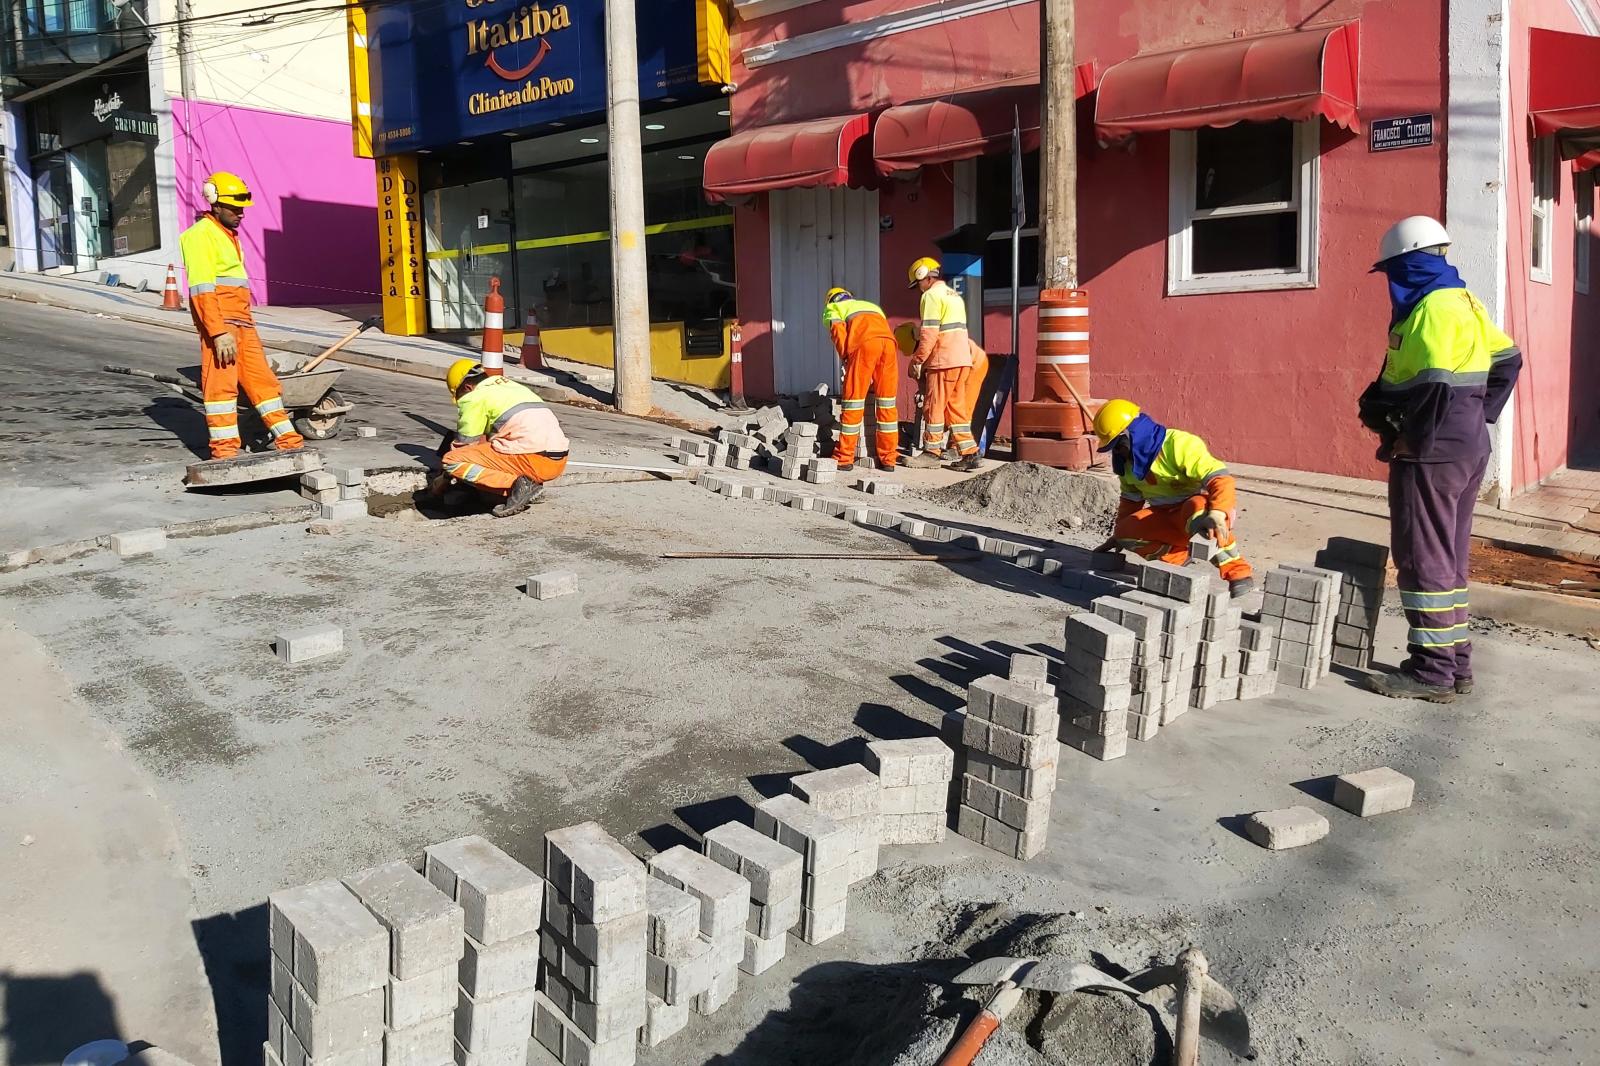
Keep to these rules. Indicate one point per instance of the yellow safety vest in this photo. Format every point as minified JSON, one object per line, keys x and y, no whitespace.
{"x":1183,"y":468}
{"x":490,"y":406}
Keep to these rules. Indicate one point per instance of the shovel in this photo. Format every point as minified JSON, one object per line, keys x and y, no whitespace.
{"x":1015,"y":976}
{"x":360,"y":328}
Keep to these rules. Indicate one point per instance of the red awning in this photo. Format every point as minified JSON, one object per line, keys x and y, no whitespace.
{"x":963,"y":126}
{"x":791,"y":156}
{"x":1564,"y":90}
{"x":1296,"y":75}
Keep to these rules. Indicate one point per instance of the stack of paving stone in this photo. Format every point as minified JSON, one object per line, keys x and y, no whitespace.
{"x":828,"y":848}
{"x":1145,"y":623}
{"x":775,"y":874}
{"x":1298,"y":609}
{"x":724,"y":901}
{"x":1257,"y":675}
{"x":677,"y":961}
{"x":799,"y":451}
{"x":341,"y":494}
{"x":1179,"y":594}
{"x":914,"y":795}
{"x":1216,"y":671}
{"x":1095,"y":692}
{"x":591,"y":1000}
{"x":330,"y":968}
{"x":693,"y":451}
{"x":1010,"y":736}
{"x":425,"y":930}
{"x":1364,"y":566}
{"x":500,"y":901}
{"x":851,"y":796}
{"x":821,"y":410}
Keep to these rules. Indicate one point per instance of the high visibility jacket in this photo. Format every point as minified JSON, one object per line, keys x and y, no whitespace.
{"x":219,"y":291}
{"x":1183,"y":468}
{"x":1446,"y":376}
{"x":512,"y":416}
{"x":854,"y":324}
{"x":942,"y":340}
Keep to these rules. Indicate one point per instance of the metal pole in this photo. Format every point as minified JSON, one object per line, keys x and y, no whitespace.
{"x":1058,"y":165}
{"x":185,"y":12}
{"x":630,"y":300}
{"x":1019,"y":211}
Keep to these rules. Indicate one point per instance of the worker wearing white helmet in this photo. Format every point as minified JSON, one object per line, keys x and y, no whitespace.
{"x":1447,"y":375}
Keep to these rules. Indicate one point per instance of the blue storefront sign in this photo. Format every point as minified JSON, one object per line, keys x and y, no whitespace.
{"x":450,"y":70}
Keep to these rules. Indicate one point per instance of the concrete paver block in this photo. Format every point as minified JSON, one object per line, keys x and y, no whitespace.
{"x":774,"y":871}
{"x":505,"y":1055}
{"x":762,"y":955}
{"x":425,"y":926}
{"x":679,"y":979}
{"x":797,"y":826}
{"x":319,"y":480}
{"x":602,"y":878}
{"x":1091,"y":743}
{"x":723,"y":987}
{"x":724,"y":895}
{"x":1371,"y":792}
{"x":245,"y":468}
{"x":366,"y":431}
{"x":662,"y":1021}
{"x":674,"y":919}
{"x":548,"y":586}
{"x":350,"y":475}
{"x":1030,"y":670}
{"x":619,"y":976}
{"x":343,"y":510}
{"x":138,"y":542}
{"x":768,"y":920}
{"x":500,"y":898}
{"x":334,"y":948}
{"x":483,"y":1023}
{"x":617,"y":944}
{"x":1002,"y":806}
{"x":1034,"y":782}
{"x":336,"y":1027}
{"x":1009,"y":746}
{"x":817,"y":926}
{"x":1291,"y":827}
{"x":926,"y":828}
{"x":421,"y":998}
{"x":431,"y":1043}
{"x":604,"y":1022}
{"x":489,"y":970}
{"x":918,"y":761}
{"x":841,"y":792}
{"x":914,"y":799}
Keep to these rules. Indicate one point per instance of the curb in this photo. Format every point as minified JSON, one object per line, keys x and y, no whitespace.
{"x":1539,"y":610}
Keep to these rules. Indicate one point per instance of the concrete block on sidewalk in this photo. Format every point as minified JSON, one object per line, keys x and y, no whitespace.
{"x":822,"y":924}
{"x":1093,"y":744}
{"x":1032,"y":671}
{"x":1373,"y":792}
{"x":350,"y":475}
{"x":553,"y":583}
{"x":319,"y":480}
{"x":588,"y":866}
{"x":304,"y":645}
{"x":343,"y":510}
{"x":138,"y":542}
{"x":334,"y":948}
{"x":425,"y":926}
{"x":500,"y":898}
{"x":841,"y":792}
{"x":1028,"y":782}
{"x":773,"y":871}
{"x":1291,"y":827}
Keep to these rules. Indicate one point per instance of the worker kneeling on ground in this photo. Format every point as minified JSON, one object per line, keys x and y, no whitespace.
{"x":1173,"y":488}
{"x":231,"y":354}
{"x":506,"y":443}
{"x":866,"y":346}
{"x":944,"y":359}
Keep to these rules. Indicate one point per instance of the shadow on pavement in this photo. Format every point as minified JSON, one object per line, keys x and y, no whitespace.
{"x":45,"y":1016}
{"x":234,"y":950}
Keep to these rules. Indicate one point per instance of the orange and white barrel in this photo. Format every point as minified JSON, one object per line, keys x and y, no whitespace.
{"x":494,"y":331}
{"x":1063,"y":345}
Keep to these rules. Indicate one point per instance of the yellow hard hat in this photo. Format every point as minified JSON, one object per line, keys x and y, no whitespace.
{"x":1112,"y":420}
{"x":225,"y":188}
{"x":836,"y":293}
{"x":926,"y":267}
{"x":905,"y":338}
{"x":459,"y":371}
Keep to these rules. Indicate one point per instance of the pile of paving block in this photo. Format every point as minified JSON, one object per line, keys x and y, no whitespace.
{"x":791,"y":452}
{"x":914,"y":776}
{"x":1009,"y":733}
{"x":1364,"y":567}
{"x":1300,"y":609}
{"x":341,"y":494}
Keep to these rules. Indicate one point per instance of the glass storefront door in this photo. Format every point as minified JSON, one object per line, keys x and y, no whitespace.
{"x":52,"y":197}
{"x":467,"y":234}
{"x":91,"y":204}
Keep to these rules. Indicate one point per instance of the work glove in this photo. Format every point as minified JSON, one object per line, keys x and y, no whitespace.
{"x":1210,"y":523}
{"x":227,"y":346}
{"x":915,"y":370}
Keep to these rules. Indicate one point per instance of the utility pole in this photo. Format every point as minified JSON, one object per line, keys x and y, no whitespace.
{"x":630,"y":301}
{"x":1058,"y":135}
{"x":185,"y":40}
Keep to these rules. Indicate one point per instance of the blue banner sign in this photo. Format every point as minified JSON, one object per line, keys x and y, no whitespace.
{"x":1412,"y":131}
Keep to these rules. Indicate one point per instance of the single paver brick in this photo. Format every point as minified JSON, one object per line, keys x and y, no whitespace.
{"x":825,"y":843}
{"x":682,"y":977}
{"x":767,"y":920}
{"x":773,"y":870}
{"x":425,"y":926}
{"x":1290,"y":827}
{"x":483,"y":1023}
{"x":918,"y":761}
{"x":762,"y":955}
{"x":138,"y":542}
{"x":724,"y":895}
{"x":350,"y":475}
{"x":335,"y":1027}
{"x":1009,"y":746}
{"x":915,"y":799}
{"x":343,"y":510}
{"x":674,"y":918}
{"x":489,"y":970}
{"x":421,"y":998}
{"x":500,"y":898}
{"x":926,"y":828}
{"x":549,"y":585}
{"x":602,"y":878}
{"x":662,"y":1021}
{"x":334,"y":947}
{"x":1371,"y":792}
{"x":306,"y":644}
{"x":319,"y":480}
{"x":840,"y":792}
{"x":431,"y":1043}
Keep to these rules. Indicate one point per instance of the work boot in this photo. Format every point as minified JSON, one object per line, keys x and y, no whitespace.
{"x":1402,"y":686}
{"x":521,"y":496}
{"x":845,"y":468}
{"x":1241,"y":586}
{"x":967,"y":463}
{"x":921,"y":461}
{"x":1463,"y":686}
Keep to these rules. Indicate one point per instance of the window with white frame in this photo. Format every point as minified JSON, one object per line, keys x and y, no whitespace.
{"x":1583,"y":214}
{"x":1244,"y":208}
{"x":1541,"y":219}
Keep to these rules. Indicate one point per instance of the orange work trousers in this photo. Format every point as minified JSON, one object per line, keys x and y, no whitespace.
{"x":480,"y":466}
{"x":220,"y":385}
{"x":1163,"y":533}
{"x":875,"y":368}
{"x":948,"y":396}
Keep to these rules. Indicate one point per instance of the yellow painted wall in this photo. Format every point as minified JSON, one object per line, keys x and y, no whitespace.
{"x":592,"y":345}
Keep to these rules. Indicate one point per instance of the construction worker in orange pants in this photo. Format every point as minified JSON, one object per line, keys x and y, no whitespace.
{"x":507,"y":442}
{"x":231,"y":354}
{"x":1173,"y":489}
{"x":943,"y":361}
{"x":865,"y":344}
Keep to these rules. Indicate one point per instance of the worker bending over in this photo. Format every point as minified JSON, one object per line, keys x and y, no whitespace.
{"x":866,"y":346}
{"x":943,"y":360}
{"x":507,"y":442}
{"x":1446,"y":377}
{"x":1172,"y":489}
{"x":231,"y":354}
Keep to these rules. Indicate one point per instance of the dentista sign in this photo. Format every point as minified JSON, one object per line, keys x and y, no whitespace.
{"x":453,"y":71}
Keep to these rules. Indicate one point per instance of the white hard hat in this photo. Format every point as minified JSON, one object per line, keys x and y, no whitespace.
{"x":1412,"y":234}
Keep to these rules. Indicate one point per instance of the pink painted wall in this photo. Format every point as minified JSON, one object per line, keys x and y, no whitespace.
{"x":1558,"y":395}
{"x":312,"y":236}
{"x":1269,"y":378}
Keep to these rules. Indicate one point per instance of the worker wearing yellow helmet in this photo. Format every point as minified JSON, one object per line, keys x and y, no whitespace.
{"x":943,"y":360}
{"x":231,"y":354}
{"x":1173,"y":489}
{"x":507,"y":443}
{"x":866,"y":346}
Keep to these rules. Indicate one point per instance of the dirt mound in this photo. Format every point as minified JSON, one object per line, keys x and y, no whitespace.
{"x":1037,"y":496}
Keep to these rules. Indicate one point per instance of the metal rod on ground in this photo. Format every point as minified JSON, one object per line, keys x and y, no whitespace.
{"x":629,"y":276}
{"x":895,"y":557}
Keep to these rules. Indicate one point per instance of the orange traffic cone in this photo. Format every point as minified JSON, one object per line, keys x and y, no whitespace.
{"x":532,"y":343}
{"x":170,"y":300}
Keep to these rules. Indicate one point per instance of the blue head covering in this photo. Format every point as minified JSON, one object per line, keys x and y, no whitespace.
{"x":1413,"y":276}
{"x":1145,"y":437}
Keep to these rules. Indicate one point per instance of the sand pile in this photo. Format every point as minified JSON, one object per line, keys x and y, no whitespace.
{"x":1037,"y":496}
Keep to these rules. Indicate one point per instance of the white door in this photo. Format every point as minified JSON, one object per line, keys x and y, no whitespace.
{"x":820,"y":238}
